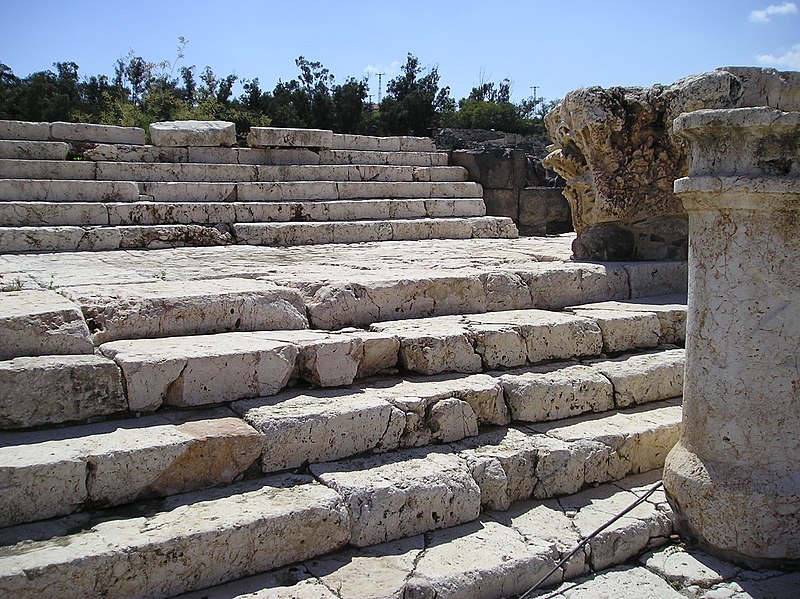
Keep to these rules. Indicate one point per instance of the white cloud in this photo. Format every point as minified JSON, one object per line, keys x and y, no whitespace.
{"x":790,"y":59}
{"x":763,"y":15}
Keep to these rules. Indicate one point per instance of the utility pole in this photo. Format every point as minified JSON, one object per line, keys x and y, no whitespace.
{"x":534,"y":88}
{"x":380,"y":86}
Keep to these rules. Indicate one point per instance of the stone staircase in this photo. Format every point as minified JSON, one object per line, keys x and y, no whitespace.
{"x":90,"y":187}
{"x":390,"y":419}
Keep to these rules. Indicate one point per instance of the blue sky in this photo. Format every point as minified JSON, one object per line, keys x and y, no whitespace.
{"x":557,"y":46}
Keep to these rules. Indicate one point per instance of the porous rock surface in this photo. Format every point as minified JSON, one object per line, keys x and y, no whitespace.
{"x":616,"y":149}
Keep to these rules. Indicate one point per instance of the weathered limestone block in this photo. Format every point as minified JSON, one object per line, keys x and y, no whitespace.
{"x":193,"y":133}
{"x":625,"y":581}
{"x":546,"y":522}
{"x":647,"y":525}
{"x":56,"y":389}
{"x":402,"y":494}
{"x":334,"y":359}
{"x":169,"y":308}
{"x":482,"y":392}
{"x":554,"y":286}
{"x":493,"y":227}
{"x":556,"y":391}
{"x":246,"y":528}
{"x":638,"y":438}
{"x":277,"y":137}
{"x":624,"y":330}
{"x":471,"y":343}
{"x":336,"y":305}
{"x":33,"y":150}
{"x":41,"y":322}
{"x":39,"y":482}
{"x":503,"y":464}
{"x":24,"y":130}
{"x":670,"y":310}
{"x":37,"y":239}
{"x":381,"y":352}
{"x":642,"y":378}
{"x":201,"y":369}
{"x":547,"y":335}
{"x":433,"y":345}
{"x":479,"y":561}
{"x":734,"y":478}
{"x":48,"y":169}
{"x":120,"y":462}
{"x":319,"y":426}
{"x":617,"y":151}
{"x":46,"y":190}
{"x":414,"y":230}
{"x":104,"y":134}
{"x":129,"y":153}
{"x":373,"y":572}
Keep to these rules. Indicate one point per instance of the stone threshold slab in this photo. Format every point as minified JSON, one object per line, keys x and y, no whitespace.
{"x":499,"y":554}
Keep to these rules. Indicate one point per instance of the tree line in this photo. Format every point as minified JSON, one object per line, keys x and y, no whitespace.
{"x":142,"y":92}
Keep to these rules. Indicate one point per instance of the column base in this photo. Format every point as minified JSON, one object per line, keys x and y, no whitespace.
{"x":749,"y":517}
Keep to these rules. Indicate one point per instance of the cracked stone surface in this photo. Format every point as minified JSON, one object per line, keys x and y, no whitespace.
{"x":485,"y":341}
{"x":41,"y":322}
{"x":65,"y":388}
{"x":233,"y":532}
{"x":500,"y":554}
{"x":54,"y":472}
{"x":201,"y":369}
{"x":403,"y":493}
{"x":167,"y":308}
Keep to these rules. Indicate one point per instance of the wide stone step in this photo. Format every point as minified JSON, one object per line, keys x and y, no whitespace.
{"x":63,"y":131}
{"x":501,"y":554}
{"x":32,"y":150}
{"x":183,"y":543}
{"x":401,"y":143}
{"x":305,"y":190}
{"x":86,"y":190}
{"x":407,"y":492}
{"x":307,"y":426}
{"x":39,"y":214}
{"x":315,"y":233}
{"x":187,"y":172}
{"x":368,"y":500}
{"x":120,"y":461}
{"x":513,"y":338}
{"x":113,"y":237}
{"x":258,"y":156}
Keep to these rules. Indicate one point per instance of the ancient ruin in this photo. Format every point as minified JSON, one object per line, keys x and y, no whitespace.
{"x":313,"y":366}
{"x":617,"y":151}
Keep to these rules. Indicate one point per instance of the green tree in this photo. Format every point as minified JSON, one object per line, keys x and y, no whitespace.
{"x":413,"y":101}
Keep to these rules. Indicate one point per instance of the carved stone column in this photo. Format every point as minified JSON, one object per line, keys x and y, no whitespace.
{"x":734,"y":477}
